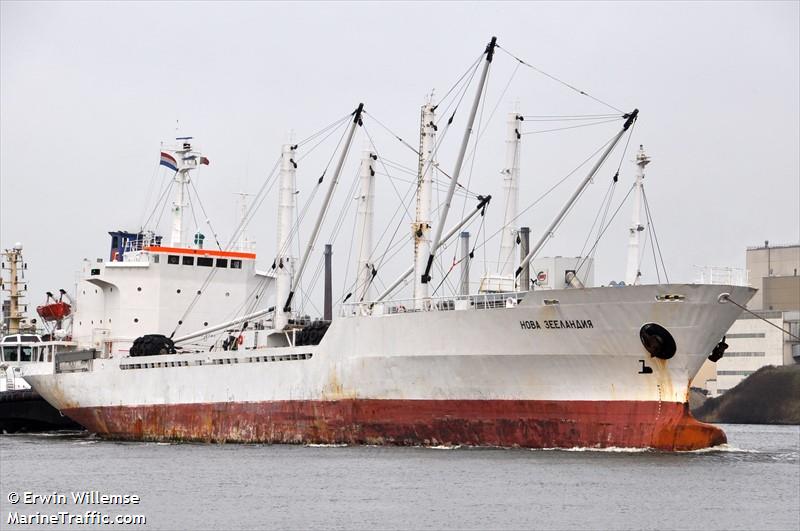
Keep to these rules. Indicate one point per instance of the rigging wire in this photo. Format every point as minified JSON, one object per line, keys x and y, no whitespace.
{"x":380,"y":158}
{"x":150,"y":188}
{"x":655,"y":238}
{"x":167,"y":186}
{"x":203,"y":210}
{"x":725,"y":297}
{"x":469,"y":256}
{"x":610,"y":194}
{"x":415,"y":171}
{"x":472,"y":68}
{"x":600,"y":210}
{"x":331,"y":125}
{"x":164,"y":206}
{"x":565,"y":117}
{"x":571,"y":127}
{"x":614,"y":215}
{"x":550,"y":190}
{"x":576,"y":89}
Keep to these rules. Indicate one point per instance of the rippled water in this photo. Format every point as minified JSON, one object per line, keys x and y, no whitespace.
{"x":753,"y":483}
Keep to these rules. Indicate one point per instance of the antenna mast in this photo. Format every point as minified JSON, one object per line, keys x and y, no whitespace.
{"x":187,"y":160}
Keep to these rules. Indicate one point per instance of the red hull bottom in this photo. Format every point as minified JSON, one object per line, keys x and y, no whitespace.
{"x":523,"y":423}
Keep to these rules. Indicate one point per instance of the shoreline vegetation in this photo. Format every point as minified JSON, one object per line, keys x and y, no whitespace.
{"x":771,"y":395}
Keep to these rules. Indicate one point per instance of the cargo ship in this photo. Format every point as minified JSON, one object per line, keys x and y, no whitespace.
{"x":506,"y":366}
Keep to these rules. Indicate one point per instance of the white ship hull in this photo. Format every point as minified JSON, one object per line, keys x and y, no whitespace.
{"x":539,"y":374}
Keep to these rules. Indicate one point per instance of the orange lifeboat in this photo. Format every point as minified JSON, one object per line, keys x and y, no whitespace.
{"x":54,"y":311}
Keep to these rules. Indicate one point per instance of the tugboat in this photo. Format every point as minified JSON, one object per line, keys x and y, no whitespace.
{"x":21,"y":408}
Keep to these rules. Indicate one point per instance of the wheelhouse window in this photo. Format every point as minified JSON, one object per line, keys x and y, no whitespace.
{"x":9,"y":353}
{"x":26,"y":353}
{"x":188,"y":260}
{"x":205,"y":262}
{"x":222,"y":262}
{"x":236,"y":264}
{"x":173,"y":259}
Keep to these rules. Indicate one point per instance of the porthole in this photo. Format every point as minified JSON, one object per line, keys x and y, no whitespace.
{"x":139,"y":288}
{"x":227,"y":293}
{"x":180,"y":322}
{"x":135,"y":319}
{"x":205,"y":323}
{"x":91,"y":322}
{"x":177,"y":291}
{"x":198,"y":292}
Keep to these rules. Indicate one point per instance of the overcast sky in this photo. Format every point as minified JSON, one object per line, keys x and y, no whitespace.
{"x":89,"y":90}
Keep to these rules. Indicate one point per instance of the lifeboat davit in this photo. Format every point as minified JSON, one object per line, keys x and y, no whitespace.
{"x":55,"y":311}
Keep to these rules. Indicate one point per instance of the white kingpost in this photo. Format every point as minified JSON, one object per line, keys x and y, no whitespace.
{"x":284,"y":262}
{"x":365,"y":215}
{"x":464,"y":264}
{"x":325,"y":203}
{"x":426,"y":277}
{"x":421,"y":228}
{"x":632,"y":273}
{"x":630,"y":118}
{"x":508,"y":241}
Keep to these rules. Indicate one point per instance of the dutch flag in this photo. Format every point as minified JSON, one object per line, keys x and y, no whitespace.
{"x":169,"y":161}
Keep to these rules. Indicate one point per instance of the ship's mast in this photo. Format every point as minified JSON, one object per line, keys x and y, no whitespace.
{"x":632,"y":273}
{"x":421,"y":227}
{"x":187,"y":161}
{"x":284,"y":262}
{"x":14,"y":264}
{"x":511,"y":189}
{"x":364,"y":222}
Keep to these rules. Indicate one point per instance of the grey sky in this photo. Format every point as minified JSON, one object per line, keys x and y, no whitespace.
{"x":88,"y":90}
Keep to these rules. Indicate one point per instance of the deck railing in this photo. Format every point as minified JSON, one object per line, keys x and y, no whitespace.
{"x":480,"y":301}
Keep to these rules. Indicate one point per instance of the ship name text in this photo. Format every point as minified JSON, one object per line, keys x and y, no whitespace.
{"x":557,"y":324}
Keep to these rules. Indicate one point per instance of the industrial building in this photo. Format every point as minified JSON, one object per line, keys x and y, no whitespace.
{"x":753,"y":343}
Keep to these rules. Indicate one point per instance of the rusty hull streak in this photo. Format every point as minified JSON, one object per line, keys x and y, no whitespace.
{"x":504,"y":423}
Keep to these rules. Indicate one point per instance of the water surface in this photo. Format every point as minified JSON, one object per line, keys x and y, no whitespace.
{"x":753,"y":483}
